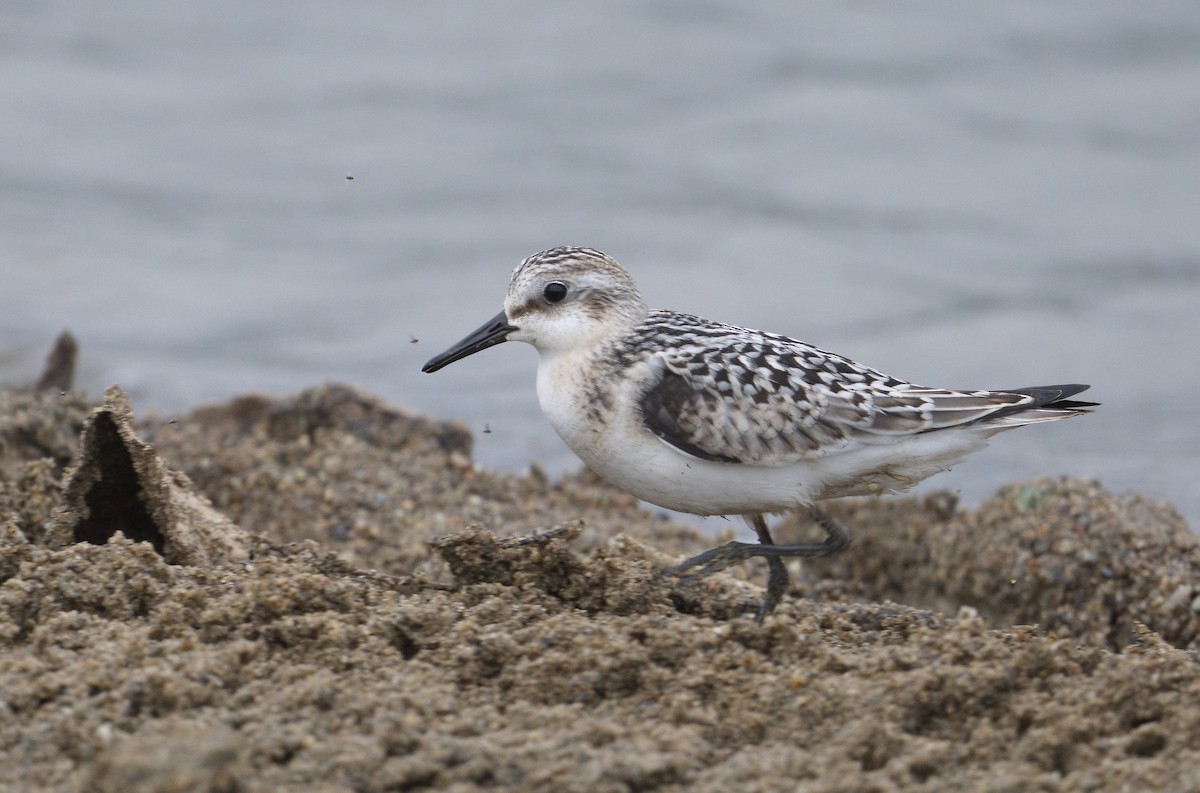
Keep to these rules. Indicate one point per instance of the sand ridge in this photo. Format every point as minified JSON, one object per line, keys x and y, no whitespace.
{"x":368,"y":611}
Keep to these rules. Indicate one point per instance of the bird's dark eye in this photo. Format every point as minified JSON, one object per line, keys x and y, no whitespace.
{"x":554,"y":292}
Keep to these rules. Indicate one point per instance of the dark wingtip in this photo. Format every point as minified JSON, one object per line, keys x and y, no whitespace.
{"x":1052,"y":396}
{"x":1069,"y":404}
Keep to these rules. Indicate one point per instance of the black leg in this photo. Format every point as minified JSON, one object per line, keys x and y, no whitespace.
{"x":778,"y":579}
{"x":716,"y":559}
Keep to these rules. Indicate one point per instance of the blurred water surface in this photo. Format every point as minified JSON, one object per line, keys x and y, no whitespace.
{"x":975,"y":195}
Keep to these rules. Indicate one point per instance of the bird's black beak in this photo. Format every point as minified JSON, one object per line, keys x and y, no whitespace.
{"x":493,"y":332}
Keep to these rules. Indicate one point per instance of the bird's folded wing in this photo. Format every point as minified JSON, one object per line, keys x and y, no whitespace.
{"x":773,"y":410}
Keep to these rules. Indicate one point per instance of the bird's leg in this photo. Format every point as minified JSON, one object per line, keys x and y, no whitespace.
{"x":716,"y":559}
{"x":778,"y":579}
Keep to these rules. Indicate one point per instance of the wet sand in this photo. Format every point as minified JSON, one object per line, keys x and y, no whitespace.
{"x":321,"y":593}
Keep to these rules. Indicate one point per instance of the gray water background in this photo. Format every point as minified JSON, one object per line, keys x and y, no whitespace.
{"x":960,"y":194}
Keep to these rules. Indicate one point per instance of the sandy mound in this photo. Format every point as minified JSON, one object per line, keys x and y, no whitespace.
{"x":327,"y":596}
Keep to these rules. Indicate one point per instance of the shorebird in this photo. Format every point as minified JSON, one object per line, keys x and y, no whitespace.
{"x":714,"y":419}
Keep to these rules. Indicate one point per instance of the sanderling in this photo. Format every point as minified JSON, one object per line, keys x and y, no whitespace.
{"x":714,"y":419}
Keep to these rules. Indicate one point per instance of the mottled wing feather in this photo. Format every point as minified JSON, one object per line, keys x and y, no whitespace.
{"x":677,"y":412}
{"x":736,"y":395}
{"x":693,"y":416}
{"x":939,"y":408}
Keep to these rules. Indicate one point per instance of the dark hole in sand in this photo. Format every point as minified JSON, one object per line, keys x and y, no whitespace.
{"x":114,"y":501}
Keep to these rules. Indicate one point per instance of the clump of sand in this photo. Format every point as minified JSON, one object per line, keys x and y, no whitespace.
{"x":322,"y":593}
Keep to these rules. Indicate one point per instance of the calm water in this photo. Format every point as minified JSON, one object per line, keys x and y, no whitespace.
{"x":976,"y":195}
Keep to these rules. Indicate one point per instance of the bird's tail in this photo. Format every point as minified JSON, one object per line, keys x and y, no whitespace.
{"x":1048,"y":403}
